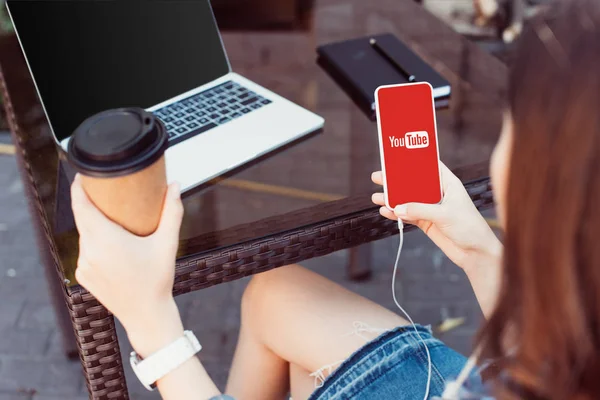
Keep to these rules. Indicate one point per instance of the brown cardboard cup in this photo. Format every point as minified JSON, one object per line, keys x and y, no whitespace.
{"x":120,"y":155}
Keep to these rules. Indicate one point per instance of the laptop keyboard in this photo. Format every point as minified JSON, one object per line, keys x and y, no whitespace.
{"x":209,"y":109}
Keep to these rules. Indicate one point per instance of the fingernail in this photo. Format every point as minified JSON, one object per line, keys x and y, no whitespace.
{"x":401,"y":210}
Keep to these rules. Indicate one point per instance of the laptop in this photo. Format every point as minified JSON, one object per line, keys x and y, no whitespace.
{"x":166,"y":57}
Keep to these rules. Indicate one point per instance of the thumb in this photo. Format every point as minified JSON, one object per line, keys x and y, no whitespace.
{"x":419,"y":211}
{"x":172,"y":213}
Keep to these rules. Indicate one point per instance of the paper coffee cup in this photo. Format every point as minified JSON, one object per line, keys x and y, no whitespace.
{"x":120,"y":155}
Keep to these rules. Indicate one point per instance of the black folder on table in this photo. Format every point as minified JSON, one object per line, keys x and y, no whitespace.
{"x":359,"y":68}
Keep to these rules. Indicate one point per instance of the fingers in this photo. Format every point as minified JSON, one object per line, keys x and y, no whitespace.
{"x":419,"y":211}
{"x":377,"y":177}
{"x":378,"y":198}
{"x":408,"y":212}
{"x":385,"y":212}
{"x":83,"y":269}
{"x":87,"y":217}
{"x":172,"y":214}
{"x":79,"y":202}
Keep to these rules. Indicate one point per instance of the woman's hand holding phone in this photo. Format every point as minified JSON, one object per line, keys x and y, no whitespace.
{"x":455,"y":225}
{"x":459,"y":230}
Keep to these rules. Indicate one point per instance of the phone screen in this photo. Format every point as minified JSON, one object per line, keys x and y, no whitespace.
{"x":408,"y":144}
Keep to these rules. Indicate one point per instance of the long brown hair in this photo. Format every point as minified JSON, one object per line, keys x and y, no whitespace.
{"x":546,"y":326}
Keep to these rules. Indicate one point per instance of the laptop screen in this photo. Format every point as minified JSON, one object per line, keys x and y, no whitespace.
{"x":89,"y":56}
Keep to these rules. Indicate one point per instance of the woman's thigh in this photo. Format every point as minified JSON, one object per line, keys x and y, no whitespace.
{"x":309,"y":320}
{"x":301,"y":383}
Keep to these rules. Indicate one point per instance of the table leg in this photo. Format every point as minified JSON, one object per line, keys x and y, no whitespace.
{"x":363,"y":161}
{"x":98,"y":346}
{"x":359,"y":262}
{"x":63,"y":320}
{"x":56,"y":290}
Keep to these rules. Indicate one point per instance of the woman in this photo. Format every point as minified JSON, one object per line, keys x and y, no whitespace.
{"x":541,"y":298}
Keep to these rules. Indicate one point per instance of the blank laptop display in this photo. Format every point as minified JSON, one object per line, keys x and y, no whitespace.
{"x":89,"y":56}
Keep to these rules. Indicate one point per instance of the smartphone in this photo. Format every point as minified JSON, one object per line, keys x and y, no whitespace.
{"x":408,"y":144}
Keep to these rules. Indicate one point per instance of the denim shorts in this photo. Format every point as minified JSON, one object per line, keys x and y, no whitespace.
{"x":393,"y":366}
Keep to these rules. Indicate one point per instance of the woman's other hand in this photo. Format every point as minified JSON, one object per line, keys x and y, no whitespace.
{"x":132,"y":276}
{"x":455,"y":225}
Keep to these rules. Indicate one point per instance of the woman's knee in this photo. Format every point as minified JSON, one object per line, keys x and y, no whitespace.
{"x":265,"y":289}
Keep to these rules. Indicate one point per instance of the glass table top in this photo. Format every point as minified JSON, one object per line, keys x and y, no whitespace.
{"x":327,"y":175}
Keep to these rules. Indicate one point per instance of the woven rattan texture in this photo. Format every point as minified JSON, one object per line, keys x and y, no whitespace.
{"x":93,"y":325}
{"x":235,"y":262}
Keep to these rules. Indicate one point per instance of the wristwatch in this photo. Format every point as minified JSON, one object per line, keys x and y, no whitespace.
{"x":152,"y":368}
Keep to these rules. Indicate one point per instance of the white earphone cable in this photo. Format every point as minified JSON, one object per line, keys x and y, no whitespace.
{"x":401,"y":229}
{"x":452,"y":390}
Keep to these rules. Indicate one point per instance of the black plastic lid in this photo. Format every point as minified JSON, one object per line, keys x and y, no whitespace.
{"x":117,"y":142}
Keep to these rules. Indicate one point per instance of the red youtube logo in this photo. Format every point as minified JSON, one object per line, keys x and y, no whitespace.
{"x":412,"y":140}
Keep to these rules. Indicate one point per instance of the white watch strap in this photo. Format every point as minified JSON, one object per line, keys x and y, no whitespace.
{"x":165,"y":360}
